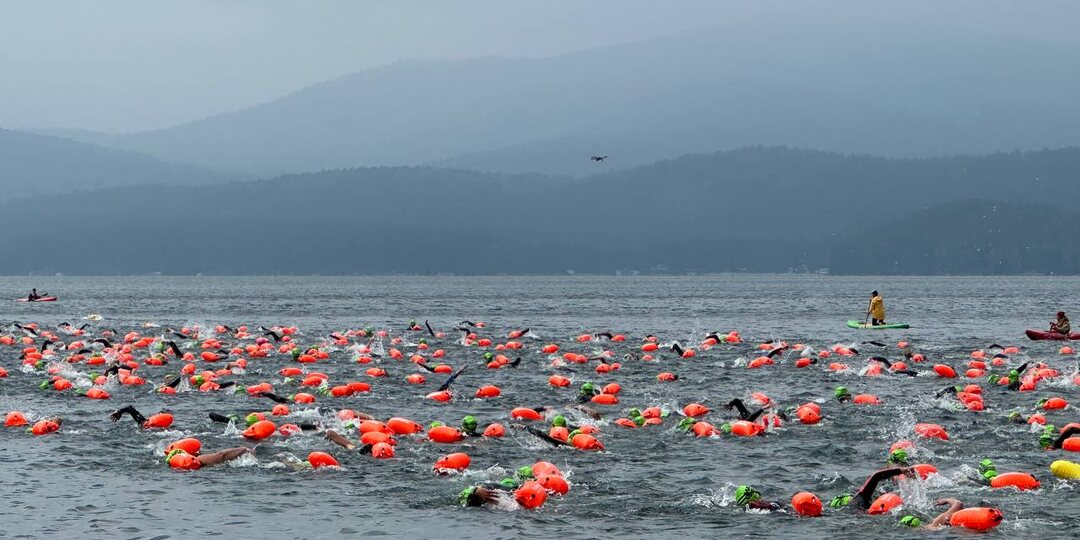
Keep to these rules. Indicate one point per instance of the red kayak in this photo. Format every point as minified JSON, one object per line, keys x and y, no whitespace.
{"x":42,"y":299}
{"x":1040,"y":335}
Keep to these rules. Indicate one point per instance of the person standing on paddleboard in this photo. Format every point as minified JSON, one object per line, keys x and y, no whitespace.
{"x":1062,"y":325}
{"x":876,"y":311}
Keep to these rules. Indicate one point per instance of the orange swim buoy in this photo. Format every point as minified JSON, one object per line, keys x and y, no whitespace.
{"x":866,"y":399}
{"x":44,"y":427}
{"x":159,"y":421}
{"x":924,"y":470}
{"x":525,"y":413}
{"x":184,"y":462}
{"x":944,"y":371}
{"x":1072,"y":444}
{"x":373,"y":437}
{"x":531,"y":495}
{"x":488,"y":391}
{"x":931,"y":431}
{"x":1018,"y":480}
{"x":458,"y":461}
{"x":441,"y":396}
{"x":403,"y":426}
{"x":259,"y":430}
{"x":744,"y":428}
{"x":554,"y":483}
{"x":584,"y":441}
{"x":494,"y":430}
{"x":558,"y":381}
{"x":1055,"y":403}
{"x":322,"y":459}
{"x":190,"y":445}
{"x":806,"y":504}
{"x":977,"y":519}
{"x":15,"y":419}
{"x":703,"y":429}
{"x":605,"y":399}
{"x":445,"y":434}
{"x":809,"y":413}
{"x":382,"y":451}
{"x":695,"y":409}
{"x":885,"y":503}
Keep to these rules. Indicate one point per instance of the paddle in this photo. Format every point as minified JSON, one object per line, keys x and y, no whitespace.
{"x":867,"y":319}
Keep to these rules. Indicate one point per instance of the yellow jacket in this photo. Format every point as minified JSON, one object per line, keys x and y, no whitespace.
{"x":877,"y":308}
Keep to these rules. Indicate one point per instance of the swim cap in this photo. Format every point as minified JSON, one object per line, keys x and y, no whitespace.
{"x":898,"y":456}
{"x":468,"y":424}
{"x":686,"y":423}
{"x":44,"y":385}
{"x":1046,"y":440}
{"x":1013,"y":416}
{"x":633,"y":412}
{"x":435,"y":424}
{"x":639,"y":420}
{"x":840,"y":500}
{"x":467,"y":497}
{"x":199,"y":380}
{"x":588,"y":388}
{"x":510,"y":483}
{"x":986,"y":465}
{"x":841,"y":392}
{"x":745,"y":495}
{"x":423,"y":341}
{"x":525,"y":471}
{"x":488,"y":356}
{"x":559,"y":421}
{"x":910,"y":521}
{"x":173,"y":453}
{"x":726,"y":428}
{"x":1014,"y":376}
{"x":251,"y":418}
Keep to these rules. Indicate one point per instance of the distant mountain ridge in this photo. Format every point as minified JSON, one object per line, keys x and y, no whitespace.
{"x":901,"y":92}
{"x":35,"y":166}
{"x":756,"y":209}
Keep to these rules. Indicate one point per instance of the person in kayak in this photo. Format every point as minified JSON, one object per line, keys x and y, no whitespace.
{"x":34,"y":296}
{"x":876,"y":310}
{"x":1061,"y":325}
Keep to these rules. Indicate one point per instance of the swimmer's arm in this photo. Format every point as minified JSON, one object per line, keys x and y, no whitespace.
{"x":738,"y":405}
{"x":544,"y":436}
{"x":1022,"y":367}
{"x":274,"y":397}
{"x":765,"y":505}
{"x":130,"y":410}
{"x":943,"y":519}
{"x":865,"y":495}
{"x":337,"y":439}
{"x":1069,"y":432}
{"x":215,"y":458}
{"x":755,"y":415}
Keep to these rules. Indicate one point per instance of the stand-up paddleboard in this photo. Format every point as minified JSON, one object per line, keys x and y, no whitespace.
{"x":864,"y":326}
{"x":42,"y":299}
{"x":1040,"y":335}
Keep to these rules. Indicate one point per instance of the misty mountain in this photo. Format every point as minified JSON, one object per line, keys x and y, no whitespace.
{"x":756,"y":209}
{"x":35,"y":165}
{"x":905,"y":91}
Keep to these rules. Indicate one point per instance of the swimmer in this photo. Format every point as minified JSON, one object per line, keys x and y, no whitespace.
{"x":889,"y":366}
{"x":744,"y":413}
{"x":483,"y":494}
{"x":750,"y":499}
{"x":162,"y":419}
{"x":1046,"y":440}
{"x":865,"y":496}
{"x":939,"y":522}
{"x":179,"y":459}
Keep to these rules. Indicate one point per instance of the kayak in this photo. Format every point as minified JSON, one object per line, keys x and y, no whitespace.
{"x":1040,"y":335}
{"x":42,"y":299}
{"x":864,"y":326}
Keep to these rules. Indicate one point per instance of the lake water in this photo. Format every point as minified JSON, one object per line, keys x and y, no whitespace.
{"x":95,"y":478}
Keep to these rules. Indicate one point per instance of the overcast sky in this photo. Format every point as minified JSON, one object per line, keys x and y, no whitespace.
{"x":129,"y":65}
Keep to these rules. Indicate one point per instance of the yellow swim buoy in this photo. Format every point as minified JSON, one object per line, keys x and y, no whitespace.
{"x":1065,"y":469}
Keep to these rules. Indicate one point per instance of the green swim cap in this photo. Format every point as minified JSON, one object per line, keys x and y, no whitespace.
{"x":510,"y":483}
{"x":633,"y":412}
{"x":199,"y":380}
{"x":44,"y":385}
{"x":986,"y":465}
{"x":1013,"y":416}
{"x":469,"y":423}
{"x":841,"y":392}
{"x":726,"y":428}
{"x":588,"y":388}
{"x":910,"y":521}
{"x":840,"y":500}
{"x":1014,"y":376}
{"x":423,"y":341}
{"x":525,"y":472}
{"x":435,"y":424}
{"x":686,"y":423}
{"x":573,"y":434}
{"x":745,"y":495}
{"x":488,"y":356}
{"x":251,"y":419}
{"x":898,"y":456}
{"x":1046,"y":440}
{"x":466,"y":495}
{"x":638,"y":420}
{"x":559,"y":421}
{"x":173,"y":453}
{"x":989,"y":475}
